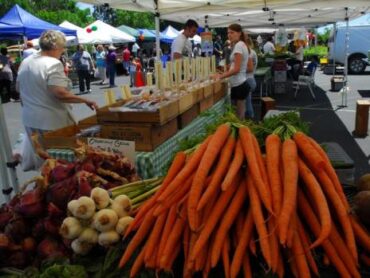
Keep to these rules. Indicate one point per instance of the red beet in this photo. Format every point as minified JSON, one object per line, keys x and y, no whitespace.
{"x":53,"y":210}
{"x":17,"y":228}
{"x":62,"y":172}
{"x":38,"y":230}
{"x":86,"y":165}
{"x":51,"y":225}
{"x":31,"y":203}
{"x":49,"y":247}
{"x":60,"y":193}
{"x":84,"y":187}
{"x":29,"y":244}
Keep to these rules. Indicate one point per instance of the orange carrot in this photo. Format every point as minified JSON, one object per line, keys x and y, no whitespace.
{"x":331,"y":172}
{"x":299,"y":257}
{"x":228,"y":219}
{"x":247,"y":266}
{"x":241,"y":248}
{"x":155,"y":235}
{"x":273,"y":154}
{"x":225,"y":256}
{"x":138,"y":264}
{"x":291,"y":232}
{"x":175,"y":234}
{"x":219,"y":173}
{"x":319,"y":198}
{"x":290,"y":166}
{"x":274,"y":244}
{"x":340,"y":210}
{"x":138,"y":238}
{"x":259,"y":220}
{"x":362,"y":235}
{"x":280,"y":267}
{"x":170,"y":221}
{"x":214,"y":217}
{"x":234,"y":166}
{"x":252,"y":246}
{"x":177,"y":164}
{"x":365,"y":259}
{"x":207,"y":267}
{"x":313,"y":224}
{"x":251,"y":154}
{"x":306,"y":246}
{"x":261,"y":162}
{"x":186,"y":171}
{"x":172,"y":258}
{"x":213,"y":149}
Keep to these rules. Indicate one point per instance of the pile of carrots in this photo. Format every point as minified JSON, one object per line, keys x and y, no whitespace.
{"x":227,"y":201}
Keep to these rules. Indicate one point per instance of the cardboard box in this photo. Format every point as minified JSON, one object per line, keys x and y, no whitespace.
{"x":337,"y":83}
{"x":205,"y":104}
{"x":188,"y":116}
{"x":186,"y":101}
{"x":161,"y":116}
{"x":146,"y":136}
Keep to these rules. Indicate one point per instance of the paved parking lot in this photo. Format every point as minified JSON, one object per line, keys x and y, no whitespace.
{"x":329,"y":123}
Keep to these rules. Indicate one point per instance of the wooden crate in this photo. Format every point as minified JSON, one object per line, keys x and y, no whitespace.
{"x":186,"y":101}
{"x":164,"y":114}
{"x":88,"y":122}
{"x":208,"y":90}
{"x":198,"y":94}
{"x":188,"y":116}
{"x":63,"y":138}
{"x":205,"y":104}
{"x":220,"y":91}
{"x":146,"y":136}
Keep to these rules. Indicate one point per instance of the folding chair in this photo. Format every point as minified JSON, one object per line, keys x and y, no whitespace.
{"x":305,"y":81}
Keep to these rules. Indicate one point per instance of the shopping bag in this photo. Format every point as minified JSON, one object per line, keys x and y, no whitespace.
{"x":28,"y":158}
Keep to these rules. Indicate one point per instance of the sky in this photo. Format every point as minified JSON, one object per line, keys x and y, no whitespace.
{"x":83,"y":6}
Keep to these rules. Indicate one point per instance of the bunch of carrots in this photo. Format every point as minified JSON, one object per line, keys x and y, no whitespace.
{"x":226,"y":201}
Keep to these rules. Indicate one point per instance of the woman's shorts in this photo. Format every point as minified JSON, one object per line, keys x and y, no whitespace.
{"x":240,"y":92}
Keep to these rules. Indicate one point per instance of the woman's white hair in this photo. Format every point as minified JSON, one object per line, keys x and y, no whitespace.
{"x":51,"y":40}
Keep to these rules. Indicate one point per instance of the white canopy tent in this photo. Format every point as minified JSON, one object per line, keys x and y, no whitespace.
{"x":83,"y":37}
{"x":116,"y":35}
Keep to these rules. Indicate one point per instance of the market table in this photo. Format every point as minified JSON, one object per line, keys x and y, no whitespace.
{"x":263,"y":75}
{"x":150,"y":164}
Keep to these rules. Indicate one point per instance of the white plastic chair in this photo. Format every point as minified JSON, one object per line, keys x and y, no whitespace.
{"x":305,"y":81}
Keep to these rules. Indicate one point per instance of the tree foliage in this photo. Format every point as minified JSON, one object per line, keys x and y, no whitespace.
{"x":53,"y":11}
{"x":324,"y":37}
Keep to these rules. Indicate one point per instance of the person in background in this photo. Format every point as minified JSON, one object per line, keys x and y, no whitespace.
{"x":250,"y":77}
{"x":135,"y":49}
{"x":299,"y":51}
{"x":226,"y":53}
{"x":28,"y":50}
{"x":111,"y":65}
{"x":63,"y":60}
{"x":268,"y":47}
{"x":126,"y":59}
{"x":181,"y":46}
{"x":44,"y":88}
{"x":6,"y":76}
{"x":84,"y":65}
{"x":238,"y":69}
{"x":132,"y":70}
{"x":217,"y":49}
{"x":197,"y":51}
{"x":312,"y":66}
{"x":100,"y":63}
{"x":93,"y":52}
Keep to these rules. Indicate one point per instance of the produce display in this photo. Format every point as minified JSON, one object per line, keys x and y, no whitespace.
{"x":269,"y":205}
{"x":31,"y":223}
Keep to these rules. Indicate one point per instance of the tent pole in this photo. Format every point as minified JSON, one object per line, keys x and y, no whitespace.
{"x":334,"y":45}
{"x":345,"y":88}
{"x":157,"y":41}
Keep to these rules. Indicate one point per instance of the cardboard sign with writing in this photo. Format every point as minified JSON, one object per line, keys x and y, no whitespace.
{"x":126,"y":148}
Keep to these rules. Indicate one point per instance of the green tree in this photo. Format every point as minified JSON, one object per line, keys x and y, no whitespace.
{"x":324,"y":37}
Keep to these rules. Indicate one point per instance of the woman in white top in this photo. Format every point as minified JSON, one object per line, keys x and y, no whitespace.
{"x":238,"y":69}
{"x":44,"y":88}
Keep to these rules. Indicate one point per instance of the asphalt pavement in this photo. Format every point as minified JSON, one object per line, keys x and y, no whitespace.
{"x":329,"y":122}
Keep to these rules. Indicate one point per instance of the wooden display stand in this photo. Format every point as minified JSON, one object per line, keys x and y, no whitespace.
{"x":362,"y":118}
{"x":268,"y":103}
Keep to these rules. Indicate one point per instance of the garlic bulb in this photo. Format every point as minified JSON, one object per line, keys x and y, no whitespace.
{"x":100,"y":197}
{"x":105,"y":220}
{"x":108,"y":238}
{"x":122,"y":224}
{"x":85,"y":208}
{"x":81,"y":248}
{"x":89,"y":235}
{"x":121,"y":205}
{"x":70,"y":228}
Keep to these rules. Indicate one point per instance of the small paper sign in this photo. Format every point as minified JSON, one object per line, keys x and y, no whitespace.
{"x":126,"y":148}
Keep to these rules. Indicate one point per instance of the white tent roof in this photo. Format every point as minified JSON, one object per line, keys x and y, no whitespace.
{"x":170,"y":32}
{"x":248,"y":13}
{"x":87,"y":38}
{"x":116,"y":35}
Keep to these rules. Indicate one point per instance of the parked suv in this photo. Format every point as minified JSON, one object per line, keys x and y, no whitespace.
{"x":358,"y":47}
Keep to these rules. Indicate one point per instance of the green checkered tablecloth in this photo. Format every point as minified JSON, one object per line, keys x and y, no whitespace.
{"x":150,"y":164}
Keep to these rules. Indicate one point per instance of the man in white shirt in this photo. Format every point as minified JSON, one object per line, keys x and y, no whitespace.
{"x":181,"y":46}
{"x":29,"y":50}
{"x":135,"y":49}
{"x":269,"y":47}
